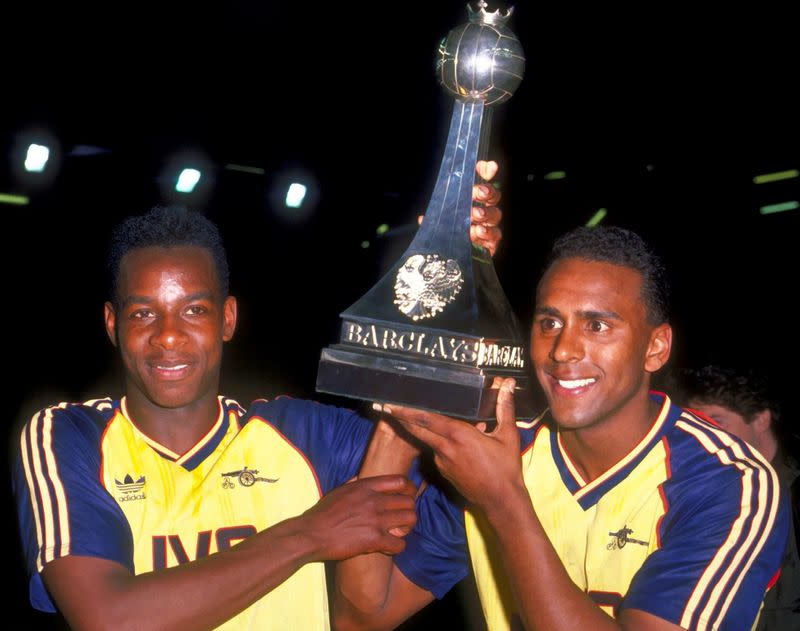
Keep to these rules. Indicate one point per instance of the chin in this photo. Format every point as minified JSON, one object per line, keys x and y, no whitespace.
{"x":571,"y":420}
{"x":172,"y":400}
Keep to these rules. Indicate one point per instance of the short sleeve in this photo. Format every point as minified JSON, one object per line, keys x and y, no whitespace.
{"x":435,"y":556}
{"x":333,"y":439}
{"x":62,"y":507}
{"x":721,"y":546}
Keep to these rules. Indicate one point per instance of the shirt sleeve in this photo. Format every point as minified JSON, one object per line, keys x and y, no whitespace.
{"x":720,"y":548}
{"x":62,"y":508}
{"x":333,"y":439}
{"x":435,"y":556}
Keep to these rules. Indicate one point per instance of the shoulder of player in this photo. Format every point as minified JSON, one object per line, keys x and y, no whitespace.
{"x":704,"y":457}
{"x":61,"y":428}
{"x":286,"y":411}
{"x":93,"y":413}
{"x":529,"y":430}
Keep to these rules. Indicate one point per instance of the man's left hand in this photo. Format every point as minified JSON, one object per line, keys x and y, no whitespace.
{"x":485,"y":216}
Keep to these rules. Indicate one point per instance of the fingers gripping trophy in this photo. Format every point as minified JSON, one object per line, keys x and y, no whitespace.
{"x":436,"y":330}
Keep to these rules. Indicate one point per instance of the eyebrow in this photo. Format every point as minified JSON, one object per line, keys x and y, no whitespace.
{"x":547,"y":311}
{"x":131,"y":299}
{"x":199,"y":295}
{"x":586,"y":315}
{"x":595,"y":315}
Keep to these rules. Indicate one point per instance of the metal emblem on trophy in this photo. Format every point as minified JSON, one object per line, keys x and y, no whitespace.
{"x":437,"y":328}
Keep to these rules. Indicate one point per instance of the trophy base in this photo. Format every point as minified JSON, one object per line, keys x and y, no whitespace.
{"x":461,"y":391}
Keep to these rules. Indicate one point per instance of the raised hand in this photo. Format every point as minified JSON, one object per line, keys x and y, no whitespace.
{"x":485,"y":216}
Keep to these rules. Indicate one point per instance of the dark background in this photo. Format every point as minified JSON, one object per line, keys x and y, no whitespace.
{"x":661,"y":117}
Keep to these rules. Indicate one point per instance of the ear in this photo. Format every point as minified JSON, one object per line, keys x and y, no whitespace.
{"x":110,"y":318}
{"x":762,"y":421}
{"x":229,"y":317}
{"x":658,"y":347}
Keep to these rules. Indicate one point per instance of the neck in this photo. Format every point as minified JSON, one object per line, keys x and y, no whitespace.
{"x":597,"y":448}
{"x":768,"y":446}
{"x":177,"y":429}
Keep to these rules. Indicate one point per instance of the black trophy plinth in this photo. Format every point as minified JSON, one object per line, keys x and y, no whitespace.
{"x":436,"y":330}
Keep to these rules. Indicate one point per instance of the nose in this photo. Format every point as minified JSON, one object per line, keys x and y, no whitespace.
{"x":169,"y":333}
{"x":567,"y":345}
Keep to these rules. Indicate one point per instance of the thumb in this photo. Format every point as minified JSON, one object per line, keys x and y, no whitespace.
{"x":486,"y":169}
{"x":506,"y":419}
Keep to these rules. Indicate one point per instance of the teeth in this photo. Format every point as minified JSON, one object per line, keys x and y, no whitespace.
{"x":575,"y":383}
{"x":172,"y":368}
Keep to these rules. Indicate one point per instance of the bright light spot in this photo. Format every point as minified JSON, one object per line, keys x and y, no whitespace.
{"x":295,"y":195}
{"x":187,"y":180}
{"x":482,"y":63}
{"x":36,"y":158}
{"x":16,"y":200}
{"x":779,"y":208}
{"x":775,"y":177}
{"x":555,"y":175}
{"x":365,"y":244}
{"x":597,"y":217}
{"x":382,"y":229}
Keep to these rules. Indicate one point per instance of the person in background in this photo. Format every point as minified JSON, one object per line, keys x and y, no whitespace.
{"x":740,"y":402}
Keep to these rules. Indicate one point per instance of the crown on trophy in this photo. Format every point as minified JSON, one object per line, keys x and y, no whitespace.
{"x":482,"y":16}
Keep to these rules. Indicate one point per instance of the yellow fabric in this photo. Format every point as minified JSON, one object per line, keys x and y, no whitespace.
{"x":204,"y":507}
{"x":591,"y":555}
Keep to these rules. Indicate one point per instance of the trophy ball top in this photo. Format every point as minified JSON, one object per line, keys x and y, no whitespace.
{"x":481,"y":60}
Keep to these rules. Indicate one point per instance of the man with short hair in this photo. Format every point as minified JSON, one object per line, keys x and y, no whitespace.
{"x":740,"y":402}
{"x":173,"y":507}
{"x":111,"y":493}
{"x":622,"y":512}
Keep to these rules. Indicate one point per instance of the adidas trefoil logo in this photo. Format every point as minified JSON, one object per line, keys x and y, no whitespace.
{"x":130,"y":489}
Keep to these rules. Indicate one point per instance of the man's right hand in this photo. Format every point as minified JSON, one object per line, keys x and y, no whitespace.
{"x":371,"y":593}
{"x":360,"y":517}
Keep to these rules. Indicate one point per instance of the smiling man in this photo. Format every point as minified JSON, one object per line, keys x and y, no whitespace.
{"x":131,"y":509}
{"x":623,"y":511}
{"x":173,"y":507}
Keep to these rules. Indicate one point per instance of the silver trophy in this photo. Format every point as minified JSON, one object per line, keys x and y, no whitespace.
{"x":437,"y":329}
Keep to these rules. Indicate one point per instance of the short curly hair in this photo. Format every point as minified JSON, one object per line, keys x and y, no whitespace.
{"x":740,"y":390}
{"x":166,"y":227}
{"x":618,"y":246}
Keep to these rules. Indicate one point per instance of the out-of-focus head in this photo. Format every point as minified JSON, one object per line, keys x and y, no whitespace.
{"x":738,"y":400}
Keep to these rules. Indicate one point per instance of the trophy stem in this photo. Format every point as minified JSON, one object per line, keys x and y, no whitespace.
{"x":453,"y":189}
{"x":486,"y":130}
